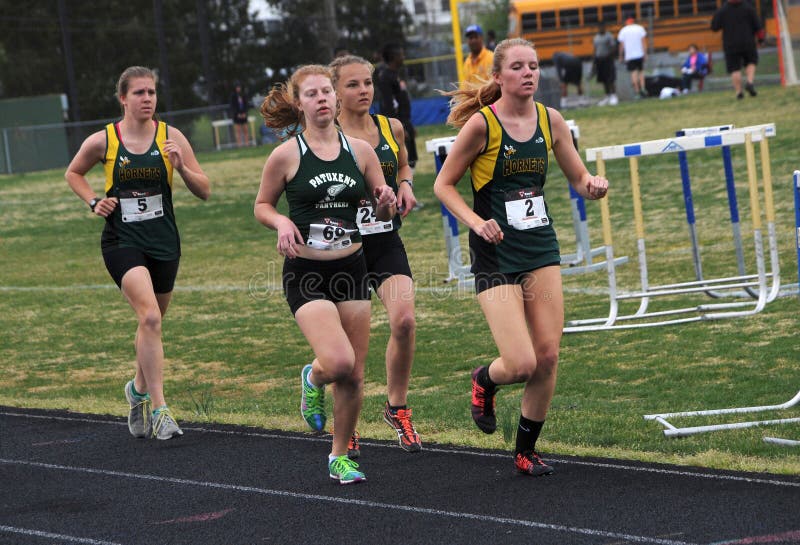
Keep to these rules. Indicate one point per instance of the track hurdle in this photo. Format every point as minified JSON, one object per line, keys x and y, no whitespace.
{"x":578,"y":262}
{"x":796,"y":184}
{"x":642,"y":318}
{"x":733,"y":209}
{"x":582,"y":259}
{"x":673,"y":431}
{"x":456,"y":269}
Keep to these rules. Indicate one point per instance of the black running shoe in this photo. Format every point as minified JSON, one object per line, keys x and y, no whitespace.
{"x":530,"y":463}
{"x":483,"y":403}
{"x":750,"y":88}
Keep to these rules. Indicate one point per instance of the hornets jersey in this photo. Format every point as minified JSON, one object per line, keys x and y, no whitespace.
{"x":508,"y":180}
{"x":144,"y":217}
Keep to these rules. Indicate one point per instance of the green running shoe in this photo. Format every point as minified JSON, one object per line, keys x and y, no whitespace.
{"x":164,"y":425}
{"x":345,"y":470}
{"x":139,"y":421}
{"x":312,"y":403}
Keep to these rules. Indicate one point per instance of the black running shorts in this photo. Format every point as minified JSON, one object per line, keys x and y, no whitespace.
{"x":162,"y":273}
{"x":306,"y":280}
{"x":385,"y":256}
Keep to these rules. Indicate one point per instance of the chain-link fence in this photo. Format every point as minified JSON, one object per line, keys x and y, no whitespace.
{"x":40,"y":147}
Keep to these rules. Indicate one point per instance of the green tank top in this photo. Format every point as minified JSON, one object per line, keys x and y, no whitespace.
{"x":508,"y":180}
{"x":387,"y":150}
{"x":324,"y":197}
{"x":144,"y":218}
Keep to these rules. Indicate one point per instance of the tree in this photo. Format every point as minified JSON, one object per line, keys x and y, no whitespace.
{"x":123,"y":35}
{"x":363,"y":28}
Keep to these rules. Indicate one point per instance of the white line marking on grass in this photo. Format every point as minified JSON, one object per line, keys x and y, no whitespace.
{"x":48,"y":535}
{"x":327,"y":439}
{"x":348,"y":501}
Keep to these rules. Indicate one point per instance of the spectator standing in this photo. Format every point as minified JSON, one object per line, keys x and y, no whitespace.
{"x":633,"y":52}
{"x":741,"y":27}
{"x":478,"y":64}
{"x":694,"y":67}
{"x":393,"y":98}
{"x":605,"y":53}
{"x":570,"y":72}
{"x":238,"y":108}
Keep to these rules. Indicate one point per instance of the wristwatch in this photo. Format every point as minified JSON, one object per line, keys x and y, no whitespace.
{"x":409,"y":182}
{"x":94,"y":202}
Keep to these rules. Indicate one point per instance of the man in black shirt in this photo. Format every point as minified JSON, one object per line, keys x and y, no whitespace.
{"x":741,"y":27}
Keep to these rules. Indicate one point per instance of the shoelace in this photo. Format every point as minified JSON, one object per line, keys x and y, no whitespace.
{"x":404,"y":417}
{"x":161,"y":416}
{"x":344,"y":466}
{"x":313,"y":397}
{"x":531,"y":459}
{"x":480,"y":396}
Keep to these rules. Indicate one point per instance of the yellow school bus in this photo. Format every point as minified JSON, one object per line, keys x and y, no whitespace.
{"x":570,"y":25}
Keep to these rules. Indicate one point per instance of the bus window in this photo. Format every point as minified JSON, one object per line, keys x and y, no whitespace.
{"x":529,"y":22}
{"x":610,"y":14}
{"x":646,"y":11}
{"x":568,"y":18}
{"x":628,"y":10}
{"x":590,"y":16}
{"x":548,"y":20}
{"x":706,"y":6}
{"x":685,"y":7}
{"x":666,"y":8}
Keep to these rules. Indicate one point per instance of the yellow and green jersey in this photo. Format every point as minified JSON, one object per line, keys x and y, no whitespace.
{"x":508,"y":180}
{"x":144,"y":218}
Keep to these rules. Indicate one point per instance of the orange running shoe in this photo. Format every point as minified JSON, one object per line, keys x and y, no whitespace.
{"x":400,"y":422}
{"x":530,"y":463}
{"x":483,"y":403}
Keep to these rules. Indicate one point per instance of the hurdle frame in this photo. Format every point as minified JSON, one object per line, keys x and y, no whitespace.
{"x":579,"y":262}
{"x":746,"y":136}
{"x":674,"y":431}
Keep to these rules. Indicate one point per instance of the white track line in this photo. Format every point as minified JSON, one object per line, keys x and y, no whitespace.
{"x":349,"y":501}
{"x":326,"y":439}
{"x":48,"y":535}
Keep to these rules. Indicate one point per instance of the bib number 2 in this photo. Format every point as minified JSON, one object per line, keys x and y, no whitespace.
{"x":525,"y":209}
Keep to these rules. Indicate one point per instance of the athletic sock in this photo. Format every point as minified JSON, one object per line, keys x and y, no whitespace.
{"x":483,"y":379}
{"x":398,"y":408}
{"x":527,"y":434}
{"x":135,"y":392}
{"x":158,"y":410}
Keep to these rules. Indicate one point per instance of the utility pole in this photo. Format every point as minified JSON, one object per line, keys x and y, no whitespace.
{"x":72,"y":87}
{"x":331,"y":29}
{"x":205,"y":49}
{"x":163,"y":74}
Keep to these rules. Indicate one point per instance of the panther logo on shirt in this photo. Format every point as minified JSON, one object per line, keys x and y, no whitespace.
{"x":334,"y":190}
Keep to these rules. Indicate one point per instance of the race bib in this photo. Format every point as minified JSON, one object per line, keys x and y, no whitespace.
{"x":525,"y":209}
{"x":330,"y":234}
{"x":368,"y":223}
{"x":140,"y":205}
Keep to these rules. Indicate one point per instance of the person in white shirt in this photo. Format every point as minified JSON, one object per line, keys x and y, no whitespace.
{"x":633,"y":51}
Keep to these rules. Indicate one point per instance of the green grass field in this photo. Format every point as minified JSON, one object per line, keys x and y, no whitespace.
{"x":234,"y":352}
